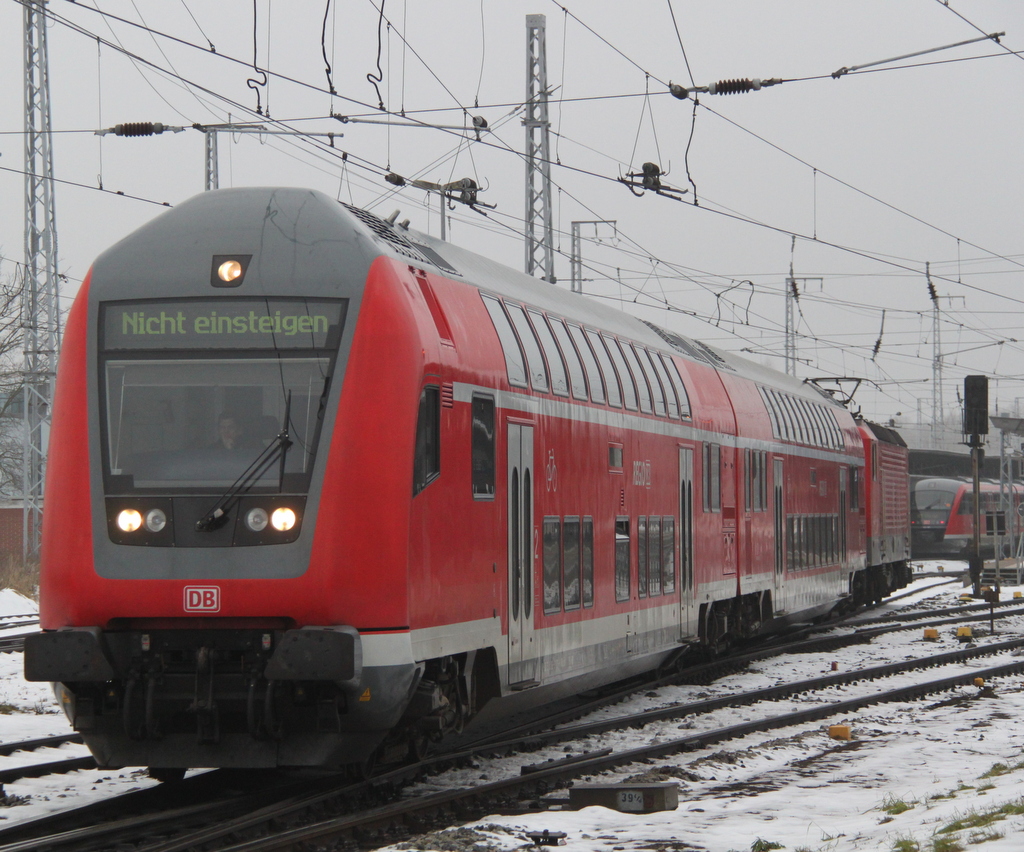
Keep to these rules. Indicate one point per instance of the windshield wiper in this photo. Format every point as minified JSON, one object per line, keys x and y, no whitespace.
{"x":276,"y":450}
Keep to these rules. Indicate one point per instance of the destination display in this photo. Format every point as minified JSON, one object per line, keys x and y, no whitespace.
{"x":222,"y":324}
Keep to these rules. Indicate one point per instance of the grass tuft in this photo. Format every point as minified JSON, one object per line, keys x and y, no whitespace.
{"x":20,"y":576}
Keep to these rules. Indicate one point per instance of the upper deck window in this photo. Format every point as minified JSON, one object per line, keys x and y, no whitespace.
{"x":534,"y":359}
{"x":515,"y":361}
{"x":628,"y":389}
{"x":559,"y":381}
{"x":642,"y":388}
{"x":572,"y":360}
{"x":195,"y":390}
{"x":592,"y":368}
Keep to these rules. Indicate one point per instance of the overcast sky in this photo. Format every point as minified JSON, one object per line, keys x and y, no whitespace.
{"x":877,"y":172}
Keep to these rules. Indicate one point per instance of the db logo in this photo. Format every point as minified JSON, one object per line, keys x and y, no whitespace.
{"x":202,"y":598}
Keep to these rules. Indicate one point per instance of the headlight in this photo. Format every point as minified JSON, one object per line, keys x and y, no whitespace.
{"x":256,"y":519}
{"x":283,"y":519}
{"x":129,"y":520}
{"x":156,"y":520}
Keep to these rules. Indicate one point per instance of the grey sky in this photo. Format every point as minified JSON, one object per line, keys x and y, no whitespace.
{"x":876,"y":172}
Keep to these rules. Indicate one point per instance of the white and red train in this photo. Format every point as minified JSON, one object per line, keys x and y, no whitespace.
{"x":451,"y":488}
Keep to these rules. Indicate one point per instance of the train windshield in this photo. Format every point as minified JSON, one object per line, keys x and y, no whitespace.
{"x":196,"y":420}
{"x":932,"y":505}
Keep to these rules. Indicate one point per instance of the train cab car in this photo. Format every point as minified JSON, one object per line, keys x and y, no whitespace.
{"x":324,"y":488}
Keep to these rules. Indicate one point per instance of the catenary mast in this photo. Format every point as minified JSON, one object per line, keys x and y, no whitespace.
{"x":540,"y":249}
{"x":40,"y":311}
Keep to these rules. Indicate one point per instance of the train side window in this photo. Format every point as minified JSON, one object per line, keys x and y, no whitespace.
{"x":837,"y":433}
{"x":654,"y":556}
{"x":587,"y":554}
{"x":577,"y":382}
{"x":790,"y":543}
{"x":622,"y":559}
{"x":559,"y":381}
{"x":779,"y":415}
{"x":874,"y":462}
{"x":657,"y":391}
{"x":821,"y":436}
{"x":552,"y":544}
{"x":761,"y":495}
{"x":670,"y":394}
{"x":628,"y":389}
{"x":664,"y":398}
{"x":483,"y":447}
{"x":641,"y":556}
{"x":748,"y":479}
{"x":571,"y":553}
{"x":590,"y":365}
{"x":668,"y":555}
{"x":427,"y":462}
{"x":854,"y":489}
{"x":677,"y":383}
{"x":611,"y":381}
{"x":796,"y":432}
{"x":712,"y":478}
{"x":534,"y":359}
{"x":823,"y":431}
{"x":642,"y":387}
{"x":515,"y":362}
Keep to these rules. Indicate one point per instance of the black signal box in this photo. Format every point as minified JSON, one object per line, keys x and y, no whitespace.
{"x":976,"y":405}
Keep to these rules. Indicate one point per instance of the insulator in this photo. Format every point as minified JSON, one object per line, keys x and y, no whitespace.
{"x":734,"y":87}
{"x":678,"y":91}
{"x":397,"y":180}
{"x":479,"y":122}
{"x":139,"y":128}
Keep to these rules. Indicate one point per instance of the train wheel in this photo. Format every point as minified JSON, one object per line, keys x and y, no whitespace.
{"x":419,"y":745}
{"x":166,"y":774}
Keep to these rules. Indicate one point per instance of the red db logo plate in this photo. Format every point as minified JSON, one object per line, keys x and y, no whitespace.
{"x":202,"y":598}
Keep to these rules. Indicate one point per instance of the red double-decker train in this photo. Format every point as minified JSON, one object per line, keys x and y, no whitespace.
{"x":321,"y":488}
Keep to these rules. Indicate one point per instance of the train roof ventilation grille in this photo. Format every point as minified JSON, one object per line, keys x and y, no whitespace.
{"x":713,"y":356}
{"x":383,"y":231}
{"x":435,"y":258}
{"x":677,"y":342}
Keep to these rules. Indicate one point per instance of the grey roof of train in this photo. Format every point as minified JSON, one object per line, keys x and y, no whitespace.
{"x":225,"y":221}
{"x":502,"y":280}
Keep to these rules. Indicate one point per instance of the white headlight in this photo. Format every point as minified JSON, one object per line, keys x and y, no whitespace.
{"x":283,"y":519}
{"x":229,"y":270}
{"x":129,"y":520}
{"x":156,"y":520}
{"x":256,"y":519}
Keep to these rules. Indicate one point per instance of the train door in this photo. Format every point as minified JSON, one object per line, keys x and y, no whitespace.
{"x":687,"y":607}
{"x":779,"y":509}
{"x":843,"y":474}
{"x":521,"y":655}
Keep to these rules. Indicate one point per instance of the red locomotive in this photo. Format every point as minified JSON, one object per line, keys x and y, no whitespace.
{"x":321,"y":488}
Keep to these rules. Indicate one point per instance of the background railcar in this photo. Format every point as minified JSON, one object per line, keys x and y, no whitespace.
{"x":942,"y":521}
{"x":452,"y":490}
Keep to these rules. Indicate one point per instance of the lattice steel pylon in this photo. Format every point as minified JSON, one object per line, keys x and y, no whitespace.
{"x":539,"y":233}
{"x":40,"y":307}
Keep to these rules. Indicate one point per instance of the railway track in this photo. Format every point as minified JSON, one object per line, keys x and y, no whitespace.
{"x":267,"y":820}
{"x":396,"y":820}
{"x":272,"y":806}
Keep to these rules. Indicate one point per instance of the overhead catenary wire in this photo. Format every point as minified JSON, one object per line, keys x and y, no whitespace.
{"x":461,"y":143}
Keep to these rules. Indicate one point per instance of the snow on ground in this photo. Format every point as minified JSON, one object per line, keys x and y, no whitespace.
{"x":910,"y":771}
{"x":29,"y":711}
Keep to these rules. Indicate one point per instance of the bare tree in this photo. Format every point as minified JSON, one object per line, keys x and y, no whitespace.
{"x":12,"y":380}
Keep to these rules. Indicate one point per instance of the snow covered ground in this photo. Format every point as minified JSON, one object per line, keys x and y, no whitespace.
{"x":936,"y":775}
